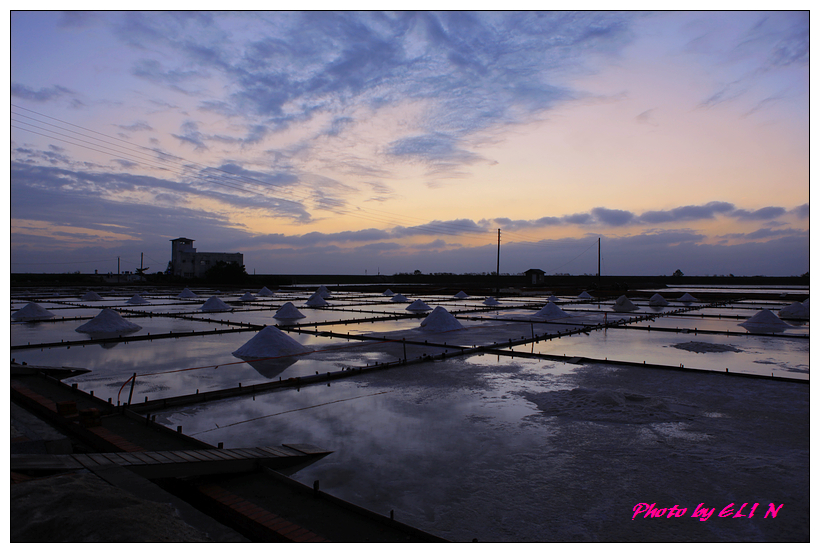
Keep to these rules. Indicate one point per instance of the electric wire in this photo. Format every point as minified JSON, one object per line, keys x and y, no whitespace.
{"x":430,"y":228}
{"x":184,"y":167}
{"x":286,"y":412}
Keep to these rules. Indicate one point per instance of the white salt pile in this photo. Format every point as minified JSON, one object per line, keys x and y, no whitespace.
{"x":584,"y":296}
{"x":187,"y":294}
{"x":316,"y":300}
{"x":658,"y":301}
{"x":387,"y":292}
{"x":440,"y":320}
{"x":247,"y":296}
{"x":460,"y":296}
{"x":108,"y":321}
{"x":418,"y":305}
{"x":398,"y":298}
{"x":687,"y":297}
{"x":491,"y":301}
{"x":795,"y":311}
{"x":269,"y":342}
{"x":552,"y":311}
{"x":91,"y":296}
{"x":265,"y":293}
{"x":136,"y":299}
{"x":32,"y":312}
{"x":323,"y":292}
{"x":765,"y":321}
{"x":288,"y":311}
{"x":215,"y":304}
{"x":552,"y":298}
{"x":623,"y":304}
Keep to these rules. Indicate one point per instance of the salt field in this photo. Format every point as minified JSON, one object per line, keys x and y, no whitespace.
{"x":532,"y":420}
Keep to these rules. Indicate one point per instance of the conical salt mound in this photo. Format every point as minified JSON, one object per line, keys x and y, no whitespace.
{"x":323,"y":292}
{"x":552,"y":311}
{"x":136,"y":299}
{"x":418,"y":305}
{"x":584,"y":296}
{"x":265,"y":293}
{"x":32,"y":312}
{"x":491,"y":301}
{"x":765,"y":321}
{"x":288,"y":311}
{"x":316,"y":300}
{"x":187,"y":294}
{"x":552,"y":298}
{"x":270,"y":342}
{"x":398,"y":298}
{"x":795,"y":311}
{"x":657,"y":301}
{"x":247,"y":296}
{"x":91,"y":296}
{"x":440,"y":320}
{"x":215,"y":304}
{"x":387,"y":292}
{"x":687,"y":297}
{"x":460,"y":296}
{"x":108,"y":321}
{"x":806,"y":302}
{"x":623,"y":304}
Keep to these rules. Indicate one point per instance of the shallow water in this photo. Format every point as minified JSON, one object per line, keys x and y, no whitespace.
{"x":570,"y":450}
{"x":748,"y":354}
{"x":487,"y":446}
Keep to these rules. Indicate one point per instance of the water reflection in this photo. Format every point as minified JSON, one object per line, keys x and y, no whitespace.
{"x":271,"y":368}
{"x":481,"y":447}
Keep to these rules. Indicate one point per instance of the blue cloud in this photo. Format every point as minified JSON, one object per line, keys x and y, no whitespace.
{"x":454,"y":227}
{"x":614,"y":217}
{"x":432,"y":148}
{"x":802,"y":211}
{"x":39,"y":95}
{"x":687,"y":213}
{"x":477,"y":70}
{"x":761,"y":214}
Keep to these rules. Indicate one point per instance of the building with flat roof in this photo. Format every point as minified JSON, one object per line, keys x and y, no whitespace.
{"x":186,"y":262}
{"x":535,"y":276}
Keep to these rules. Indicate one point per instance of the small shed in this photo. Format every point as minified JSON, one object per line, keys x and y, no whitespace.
{"x":534,"y":276}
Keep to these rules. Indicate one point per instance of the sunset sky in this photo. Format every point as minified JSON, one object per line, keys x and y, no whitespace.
{"x":353,"y":142}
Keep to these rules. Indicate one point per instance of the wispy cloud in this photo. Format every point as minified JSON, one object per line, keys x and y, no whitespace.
{"x":687,"y":213}
{"x":762,"y":214}
{"x":318,"y":121}
{"x":46,"y":94}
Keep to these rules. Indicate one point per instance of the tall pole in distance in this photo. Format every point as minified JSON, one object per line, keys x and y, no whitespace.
{"x":498,"y":266}
{"x":599,"y":263}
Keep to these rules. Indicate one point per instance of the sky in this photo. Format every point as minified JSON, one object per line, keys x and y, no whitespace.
{"x":389,"y":142}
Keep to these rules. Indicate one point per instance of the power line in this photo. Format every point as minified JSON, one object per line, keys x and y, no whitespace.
{"x":183,"y":167}
{"x":431,"y":228}
{"x":573,"y":259}
{"x":60,"y":262}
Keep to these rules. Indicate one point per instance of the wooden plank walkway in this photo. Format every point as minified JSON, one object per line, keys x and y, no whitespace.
{"x":164,"y":464}
{"x":260,"y":521}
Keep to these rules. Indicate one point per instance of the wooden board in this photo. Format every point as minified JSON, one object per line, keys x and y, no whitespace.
{"x":170,"y":463}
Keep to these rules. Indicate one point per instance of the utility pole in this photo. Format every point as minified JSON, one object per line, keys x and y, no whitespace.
{"x":118,"y":269}
{"x":498,"y":266}
{"x":599,"y":263}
